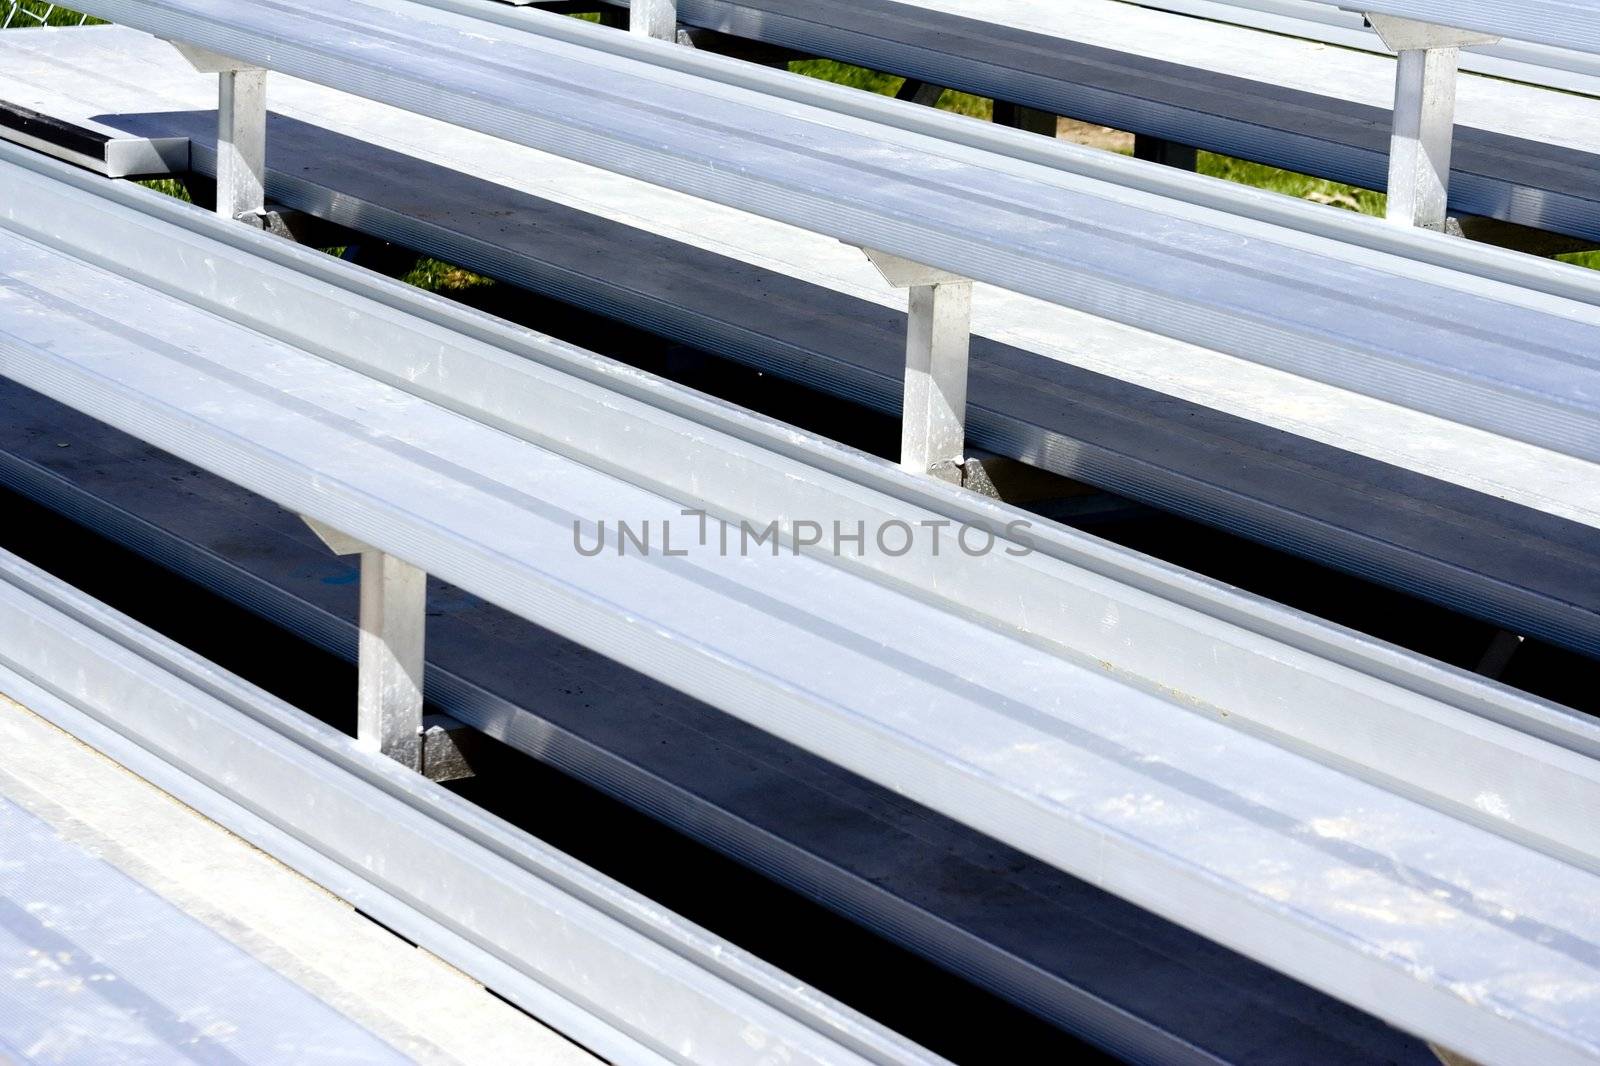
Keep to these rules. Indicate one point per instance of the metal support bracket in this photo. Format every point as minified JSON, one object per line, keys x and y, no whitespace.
{"x":241,"y":133}
{"x":1497,"y":656}
{"x":393,"y":621}
{"x":938,"y":338}
{"x":920,"y":92}
{"x":1030,"y":119}
{"x":1424,"y":115}
{"x":1167,"y":153}
{"x":654,"y":18}
{"x":286,"y":222}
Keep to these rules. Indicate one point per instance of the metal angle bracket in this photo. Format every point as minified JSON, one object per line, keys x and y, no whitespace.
{"x":206,"y":61}
{"x":1408,"y":35}
{"x":1423,"y":133}
{"x":938,"y":339}
{"x":285,"y":222}
{"x":390,"y":662}
{"x":241,"y":133}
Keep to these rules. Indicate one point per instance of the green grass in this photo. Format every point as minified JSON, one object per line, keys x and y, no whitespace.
{"x":171,"y":186}
{"x":437,"y":276}
{"x":1365,"y":201}
{"x":887,"y":85}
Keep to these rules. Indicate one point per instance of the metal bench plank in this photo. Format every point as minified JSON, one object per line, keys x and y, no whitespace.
{"x":1524,"y":155}
{"x":1072,"y":954}
{"x":1360,"y":320}
{"x":1102,"y":770}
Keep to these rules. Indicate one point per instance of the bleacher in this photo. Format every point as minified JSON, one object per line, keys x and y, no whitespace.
{"x":1316,"y":833}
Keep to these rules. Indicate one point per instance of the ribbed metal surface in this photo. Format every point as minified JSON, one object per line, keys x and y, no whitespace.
{"x":1122,"y":981}
{"x":611,"y":969}
{"x":1530,"y":581}
{"x":1556,"y":67}
{"x":1344,"y":316}
{"x":1495,"y":175}
{"x":1573,"y":24}
{"x":1361,"y":233}
{"x":1102,"y":712}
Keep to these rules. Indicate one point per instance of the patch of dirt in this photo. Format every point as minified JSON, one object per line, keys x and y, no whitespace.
{"x":1086,"y":133}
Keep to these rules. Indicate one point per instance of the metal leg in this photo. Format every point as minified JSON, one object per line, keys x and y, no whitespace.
{"x":654,"y":18}
{"x":933,"y":427}
{"x":385,"y":258}
{"x":1025,"y":118}
{"x":920,"y":92}
{"x":1167,"y":153}
{"x":1424,"y":130}
{"x":1424,"y":117}
{"x":394,"y":597}
{"x":938,"y":338}
{"x":241,"y":132}
{"x":241,"y":143}
{"x":389,"y":662}
{"x":1498,"y":655}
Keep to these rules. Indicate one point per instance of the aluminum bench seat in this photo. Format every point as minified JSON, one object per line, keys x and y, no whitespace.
{"x":601,"y":965}
{"x":1083,"y":960}
{"x":1523,"y":154}
{"x":1077,"y":396}
{"x":1078,"y":722}
{"x":1549,"y":65}
{"x":1493,"y":340}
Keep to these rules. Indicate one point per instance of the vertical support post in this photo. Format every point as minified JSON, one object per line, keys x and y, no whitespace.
{"x":1423,"y":133}
{"x":654,"y":18}
{"x":392,"y":620}
{"x":1167,"y":153}
{"x":1422,"y":138}
{"x":920,"y":92}
{"x":241,"y":143}
{"x":394,"y":603}
{"x":938,"y":340}
{"x":933,"y":430}
{"x":1498,"y":655}
{"x":1019,"y":117}
{"x":241,"y":132}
